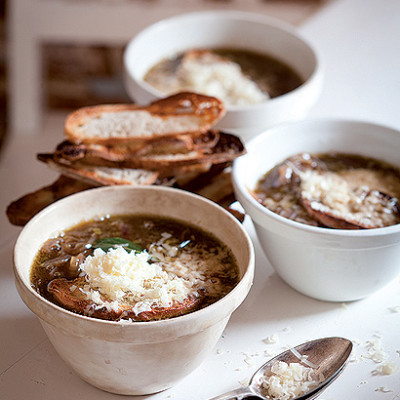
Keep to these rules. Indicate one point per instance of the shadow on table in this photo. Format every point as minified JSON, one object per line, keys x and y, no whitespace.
{"x":271,"y":299}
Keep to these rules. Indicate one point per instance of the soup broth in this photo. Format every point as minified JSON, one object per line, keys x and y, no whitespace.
{"x":333,"y":190}
{"x":270,"y":75}
{"x":134,"y":267}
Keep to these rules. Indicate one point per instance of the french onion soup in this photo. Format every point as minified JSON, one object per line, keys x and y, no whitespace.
{"x":135,"y":268}
{"x":334,"y":190}
{"x":235,"y":76}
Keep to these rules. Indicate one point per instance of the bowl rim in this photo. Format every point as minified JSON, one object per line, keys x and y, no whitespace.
{"x":244,"y":190}
{"x":246,"y":279}
{"x":246,"y":16}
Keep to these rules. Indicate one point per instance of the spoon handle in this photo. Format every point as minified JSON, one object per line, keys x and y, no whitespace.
{"x":236,"y":394}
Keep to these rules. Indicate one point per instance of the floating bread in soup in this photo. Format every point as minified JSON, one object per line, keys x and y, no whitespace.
{"x":134,"y":267}
{"x":333,"y":190}
{"x":236,"y":77}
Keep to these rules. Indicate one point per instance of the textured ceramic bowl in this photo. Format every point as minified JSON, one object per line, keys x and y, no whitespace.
{"x":327,"y":264}
{"x":145,"y":357}
{"x":229,"y":29}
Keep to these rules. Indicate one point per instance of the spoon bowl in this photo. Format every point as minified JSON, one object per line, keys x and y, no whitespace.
{"x":327,"y":356}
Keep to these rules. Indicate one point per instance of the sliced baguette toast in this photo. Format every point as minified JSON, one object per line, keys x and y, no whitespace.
{"x":69,"y":294}
{"x":101,"y":175}
{"x":98,"y":176}
{"x":209,"y":182}
{"x":176,"y":148}
{"x":227,"y":148}
{"x":68,"y":151}
{"x":183,"y":113}
{"x":20,"y":211}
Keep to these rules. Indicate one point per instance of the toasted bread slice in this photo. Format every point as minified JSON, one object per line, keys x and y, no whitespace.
{"x":20,"y":211}
{"x":183,"y":144}
{"x":182,"y":175}
{"x":183,"y":113}
{"x":227,"y":148}
{"x":382,"y":210}
{"x":218,"y":188}
{"x":101,"y":175}
{"x":216,"y":185}
{"x":67,"y":294}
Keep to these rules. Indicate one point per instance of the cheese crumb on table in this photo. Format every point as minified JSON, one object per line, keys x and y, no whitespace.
{"x":271,"y":339}
{"x":387,"y":368}
{"x":375,"y":350}
{"x":383,"y":389}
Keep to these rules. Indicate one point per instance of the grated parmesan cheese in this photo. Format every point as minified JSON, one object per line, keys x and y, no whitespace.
{"x":274,"y":338}
{"x":216,"y":76}
{"x":375,"y":350}
{"x":387,"y":368}
{"x":288,"y":381}
{"x":332,"y":193}
{"x":208,"y":73}
{"x":119,"y":276}
{"x":169,"y":272}
{"x":383,"y":389}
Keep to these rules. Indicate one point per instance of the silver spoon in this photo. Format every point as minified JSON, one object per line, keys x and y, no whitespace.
{"x":328,"y":356}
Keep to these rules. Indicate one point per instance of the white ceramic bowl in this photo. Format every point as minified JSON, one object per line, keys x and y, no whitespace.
{"x":327,"y":264}
{"x":229,"y":29}
{"x":145,"y":357}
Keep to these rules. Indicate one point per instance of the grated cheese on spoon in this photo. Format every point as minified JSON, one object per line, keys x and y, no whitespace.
{"x":288,"y":381}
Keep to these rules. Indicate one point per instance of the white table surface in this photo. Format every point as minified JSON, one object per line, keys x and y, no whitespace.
{"x":359,"y":42}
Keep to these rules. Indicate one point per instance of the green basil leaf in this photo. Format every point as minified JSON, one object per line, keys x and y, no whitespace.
{"x":114,"y":242}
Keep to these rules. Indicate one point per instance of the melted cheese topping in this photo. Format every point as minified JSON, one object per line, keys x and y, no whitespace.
{"x":332,"y":193}
{"x":207,"y":73}
{"x":220,"y":78}
{"x":164,"y":275}
{"x":119,"y":276}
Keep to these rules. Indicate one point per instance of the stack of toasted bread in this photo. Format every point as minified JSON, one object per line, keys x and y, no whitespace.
{"x":169,"y":142}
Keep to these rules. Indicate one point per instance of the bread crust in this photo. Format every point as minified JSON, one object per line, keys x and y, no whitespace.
{"x":77,"y":302}
{"x":100,"y":176}
{"x":186,"y":113}
{"x":20,"y":211}
{"x":193,"y":160}
{"x":68,"y":151}
{"x":227,"y":148}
